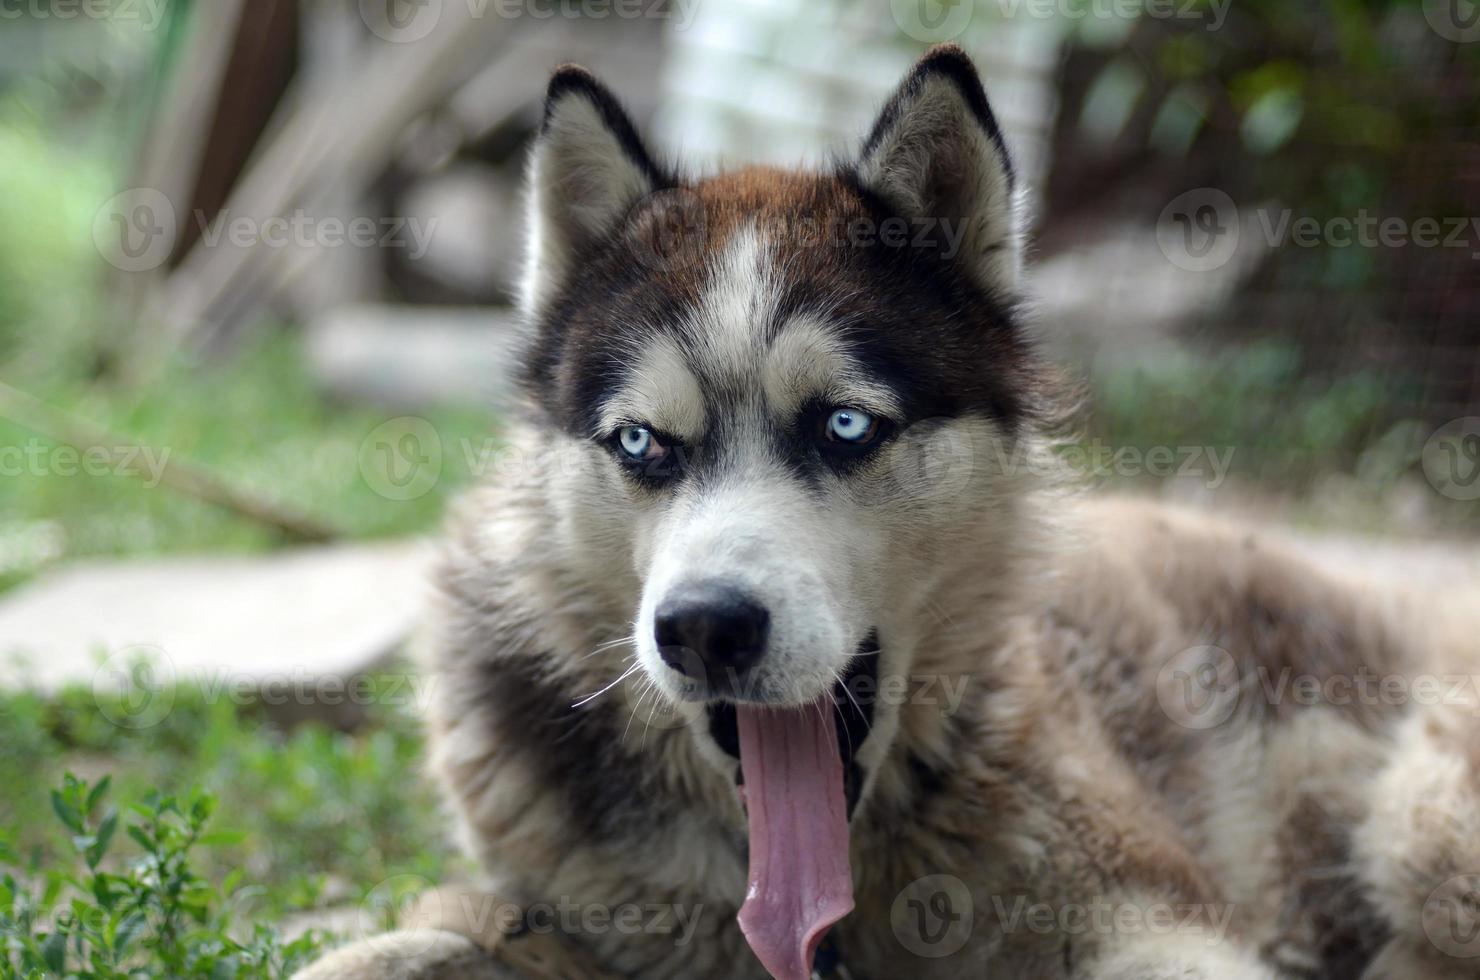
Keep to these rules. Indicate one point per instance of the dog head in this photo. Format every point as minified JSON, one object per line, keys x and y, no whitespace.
{"x":782,"y":388}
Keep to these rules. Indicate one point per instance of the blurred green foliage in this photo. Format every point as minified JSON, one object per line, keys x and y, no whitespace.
{"x":298,"y":810}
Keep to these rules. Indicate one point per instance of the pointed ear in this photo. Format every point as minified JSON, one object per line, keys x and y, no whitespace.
{"x":588,"y":169}
{"x":936,"y":152}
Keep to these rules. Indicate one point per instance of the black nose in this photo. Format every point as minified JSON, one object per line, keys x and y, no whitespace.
{"x":710,"y":631}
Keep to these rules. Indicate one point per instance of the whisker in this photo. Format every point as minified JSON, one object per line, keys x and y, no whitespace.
{"x":648,"y":727}
{"x":619,"y":641}
{"x":591,"y":697}
{"x":637,"y":707}
{"x":861,"y":714}
{"x":844,"y":721}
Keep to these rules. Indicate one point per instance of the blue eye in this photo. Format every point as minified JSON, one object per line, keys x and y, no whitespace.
{"x":636,"y":441}
{"x":852,"y":426}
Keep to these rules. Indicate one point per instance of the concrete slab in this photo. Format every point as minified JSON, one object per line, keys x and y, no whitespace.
{"x":287,"y":620}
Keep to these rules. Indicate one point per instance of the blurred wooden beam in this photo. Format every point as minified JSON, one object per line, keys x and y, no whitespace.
{"x":259,"y":68}
{"x":336,"y":131}
{"x":170,"y":150}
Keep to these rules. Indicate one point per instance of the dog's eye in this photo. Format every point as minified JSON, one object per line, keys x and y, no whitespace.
{"x":647,"y":455}
{"x":852,"y":426}
{"x":639,"y":443}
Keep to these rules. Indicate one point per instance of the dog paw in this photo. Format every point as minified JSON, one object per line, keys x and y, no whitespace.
{"x":408,"y":954}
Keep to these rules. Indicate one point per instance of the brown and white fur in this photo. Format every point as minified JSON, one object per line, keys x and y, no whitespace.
{"x":1096,"y":761}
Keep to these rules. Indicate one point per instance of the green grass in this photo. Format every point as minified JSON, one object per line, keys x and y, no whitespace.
{"x":257,"y":421}
{"x":1338,"y":448}
{"x":1257,"y":399}
{"x":308,"y":817}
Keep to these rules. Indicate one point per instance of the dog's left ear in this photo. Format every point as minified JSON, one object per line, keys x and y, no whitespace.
{"x":936,"y":153}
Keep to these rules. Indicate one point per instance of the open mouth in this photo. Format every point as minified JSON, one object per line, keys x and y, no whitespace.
{"x":853,"y":696}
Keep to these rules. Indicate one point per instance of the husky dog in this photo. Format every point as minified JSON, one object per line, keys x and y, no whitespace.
{"x":781,"y":651}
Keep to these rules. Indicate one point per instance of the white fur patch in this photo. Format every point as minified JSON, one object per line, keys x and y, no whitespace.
{"x":661,"y":391}
{"x":734,"y":312}
{"x":807,"y":360}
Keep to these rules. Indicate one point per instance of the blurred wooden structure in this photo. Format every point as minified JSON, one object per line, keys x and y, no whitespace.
{"x":278,"y":108}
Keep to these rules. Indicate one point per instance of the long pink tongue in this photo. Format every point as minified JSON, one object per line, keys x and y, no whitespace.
{"x":800,"y":882}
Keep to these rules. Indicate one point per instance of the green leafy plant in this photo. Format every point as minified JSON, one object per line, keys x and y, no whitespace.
{"x":151,"y":914}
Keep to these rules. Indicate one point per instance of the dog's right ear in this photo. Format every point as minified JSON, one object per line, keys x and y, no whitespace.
{"x":588,"y":169}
